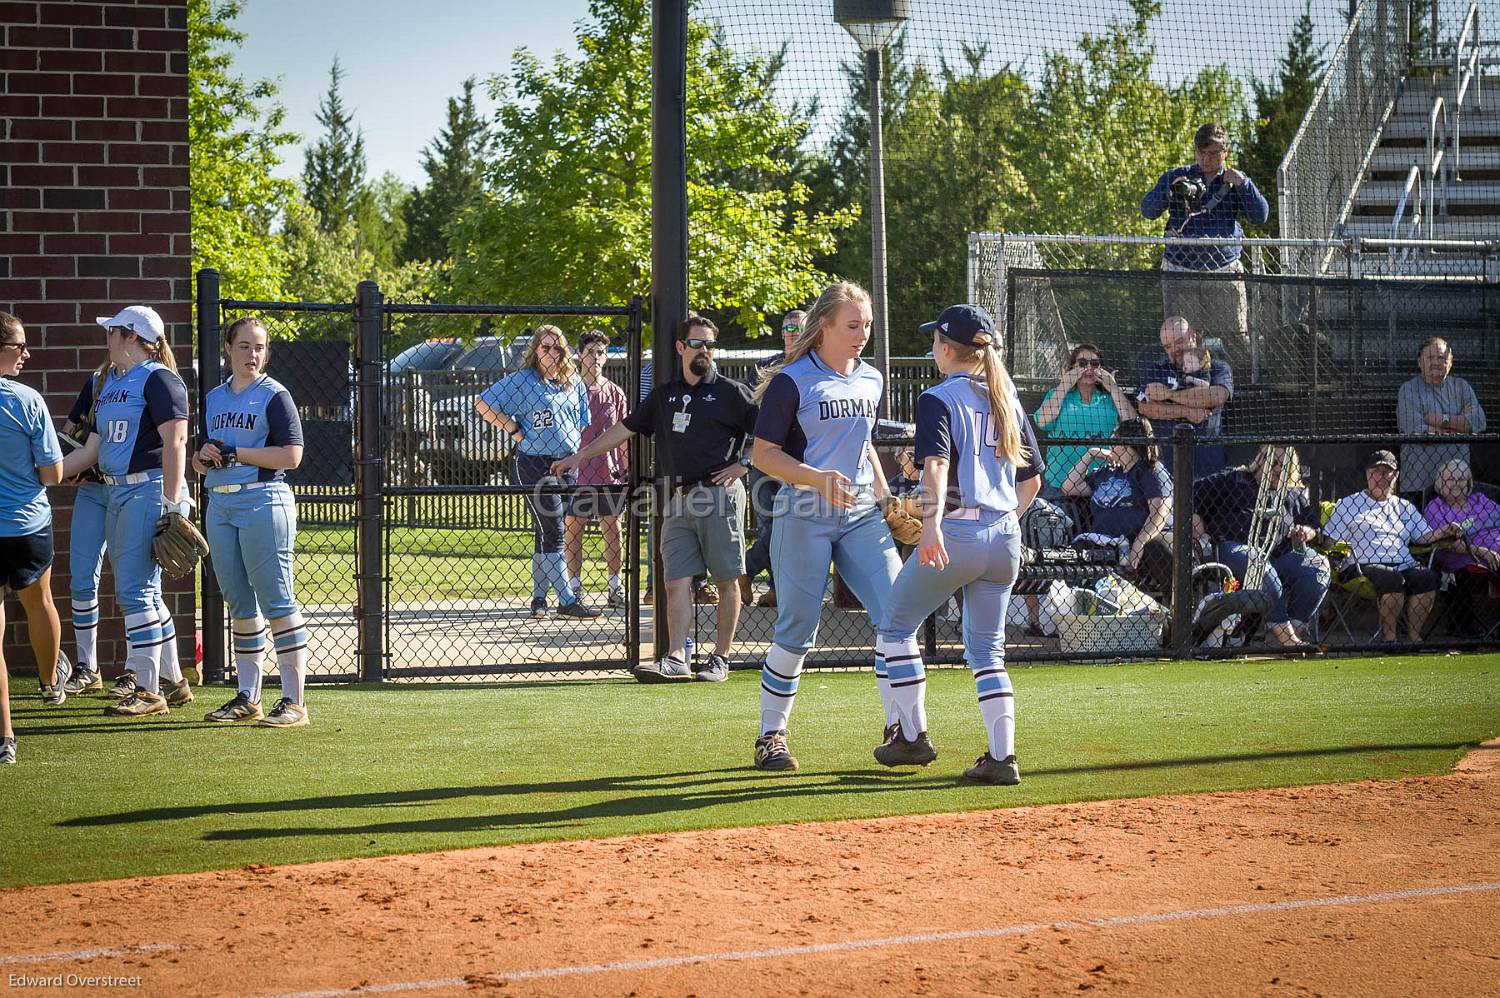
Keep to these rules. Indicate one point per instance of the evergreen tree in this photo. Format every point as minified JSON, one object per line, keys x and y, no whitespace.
{"x":454,"y":163}
{"x":235,"y":133}
{"x":333,"y":173}
{"x":1280,"y":107}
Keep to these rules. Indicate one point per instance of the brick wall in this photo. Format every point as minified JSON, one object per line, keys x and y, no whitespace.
{"x":93,"y":216}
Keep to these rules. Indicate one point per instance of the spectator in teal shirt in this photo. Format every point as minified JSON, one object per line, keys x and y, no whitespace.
{"x":1087,"y":404}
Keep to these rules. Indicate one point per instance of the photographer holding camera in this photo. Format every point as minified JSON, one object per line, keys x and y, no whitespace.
{"x":1207,"y":199}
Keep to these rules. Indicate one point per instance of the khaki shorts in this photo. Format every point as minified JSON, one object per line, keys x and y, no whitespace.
{"x":704,"y":530}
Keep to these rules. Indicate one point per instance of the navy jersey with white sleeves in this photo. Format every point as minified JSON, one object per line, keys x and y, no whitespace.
{"x":953,"y":422}
{"x":262,"y":415}
{"x":131,"y":407}
{"x":822,"y":418}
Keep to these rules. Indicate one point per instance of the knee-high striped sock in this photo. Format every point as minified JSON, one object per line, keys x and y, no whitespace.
{"x":290,"y":635}
{"x":171,"y":668}
{"x":143,"y":639}
{"x":908,"y":679}
{"x":86,"y":633}
{"x":249,"y":648}
{"x":883,"y":684}
{"x":997,"y":705}
{"x":778,"y":686}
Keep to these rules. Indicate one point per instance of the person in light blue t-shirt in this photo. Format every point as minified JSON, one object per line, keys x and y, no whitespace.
{"x":543,"y":408}
{"x":30,"y":458}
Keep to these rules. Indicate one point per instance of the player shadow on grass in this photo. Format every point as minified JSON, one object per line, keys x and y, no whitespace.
{"x":744,"y":787}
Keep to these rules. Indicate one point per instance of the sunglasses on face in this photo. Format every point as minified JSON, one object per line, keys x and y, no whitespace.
{"x":550,"y":348}
{"x":1090,"y":362}
{"x":18,"y":344}
{"x":699,"y":343}
{"x":791,"y":327}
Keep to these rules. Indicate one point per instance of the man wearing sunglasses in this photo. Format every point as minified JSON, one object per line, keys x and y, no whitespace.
{"x":763,"y":488}
{"x":700,"y":422}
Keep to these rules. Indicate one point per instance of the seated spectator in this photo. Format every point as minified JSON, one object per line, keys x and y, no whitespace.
{"x":1476,"y":513}
{"x":1148,"y":356}
{"x":1086,"y":404}
{"x":1436,"y":403}
{"x":1378,"y":526}
{"x":1130,"y":496}
{"x":1170,"y":397}
{"x":1296,"y":578}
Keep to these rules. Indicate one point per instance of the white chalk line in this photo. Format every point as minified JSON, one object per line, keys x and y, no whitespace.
{"x":852,"y":945}
{"x":91,"y":954}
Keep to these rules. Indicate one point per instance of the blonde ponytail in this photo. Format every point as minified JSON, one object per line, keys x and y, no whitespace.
{"x":161,"y":352}
{"x":1001,"y":392}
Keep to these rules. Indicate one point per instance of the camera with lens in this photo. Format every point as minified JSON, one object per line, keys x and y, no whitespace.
{"x":1188,"y":191}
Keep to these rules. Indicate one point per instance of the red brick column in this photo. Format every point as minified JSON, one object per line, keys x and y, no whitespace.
{"x":93,"y":216}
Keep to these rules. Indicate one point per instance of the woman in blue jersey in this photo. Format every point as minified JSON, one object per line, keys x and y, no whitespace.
{"x":980,"y":470}
{"x":140,"y":444}
{"x":86,"y":547}
{"x":817,"y":412}
{"x":30,"y":458}
{"x":250,"y":436}
{"x":543,"y":407}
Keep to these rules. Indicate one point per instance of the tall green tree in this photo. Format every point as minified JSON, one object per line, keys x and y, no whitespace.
{"x":380,"y":218}
{"x":567,"y":214}
{"x":1280,"y":106}
{"x":333,"y":172}
{"x":454,"y":162}
{"x":1104,"y":129}
{"x":235,"y":136}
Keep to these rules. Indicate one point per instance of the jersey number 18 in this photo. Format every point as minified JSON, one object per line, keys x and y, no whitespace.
{"x":117,"y":430}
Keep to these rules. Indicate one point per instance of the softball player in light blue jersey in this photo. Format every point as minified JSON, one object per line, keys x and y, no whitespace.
{"x":981,"y":468}
{"x":86,"y":549}
{"x":817,"y":413}
{"x":250,"y":436}
{"x":140,"y":444}
{"x":30,"y":458}
{"x":543,"y":407}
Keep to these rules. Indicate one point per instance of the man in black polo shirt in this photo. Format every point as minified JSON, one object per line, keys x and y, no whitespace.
{"x":700,"y":422}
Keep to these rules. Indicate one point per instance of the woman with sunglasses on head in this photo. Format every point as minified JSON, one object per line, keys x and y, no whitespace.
{"x":140,"y":444}
{"x":30,"y":459}
{"x":1087,"y":404}
{"x":543,"y":408}
{"x":817,"y":414}
{"x":250,"y":436}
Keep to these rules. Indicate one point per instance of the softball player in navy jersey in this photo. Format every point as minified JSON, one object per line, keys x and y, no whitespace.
{"x":250,"y":436}
{"x":86,"y":548}
{"x":817,"y":413}
{"x":140,"y":444}
{"x":981,"y":468}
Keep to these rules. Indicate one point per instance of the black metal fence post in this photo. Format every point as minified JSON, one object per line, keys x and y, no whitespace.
{"x":631,"y":562}
{"x":1182,"y":541}
{"x":210,"y":599}
{"x":370,"y":570}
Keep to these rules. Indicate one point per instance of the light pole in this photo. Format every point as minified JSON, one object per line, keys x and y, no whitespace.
{"x":872,"y":24}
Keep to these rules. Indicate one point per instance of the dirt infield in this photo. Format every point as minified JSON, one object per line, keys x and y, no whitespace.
{"x":1368,"y":888}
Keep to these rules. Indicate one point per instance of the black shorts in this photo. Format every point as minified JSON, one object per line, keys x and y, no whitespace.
{"x":1388,"y":579}
{"x":588,"y":502}
{"x":23,"y":559}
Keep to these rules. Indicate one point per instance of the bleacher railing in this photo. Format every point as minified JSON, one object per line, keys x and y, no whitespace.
{"x":1319,"y":177}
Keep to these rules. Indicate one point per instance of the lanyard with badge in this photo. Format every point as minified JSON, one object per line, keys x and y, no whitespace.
{"x":681,"y":419}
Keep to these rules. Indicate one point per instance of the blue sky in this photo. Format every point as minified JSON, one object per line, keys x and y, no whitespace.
{"x":404,"y":60}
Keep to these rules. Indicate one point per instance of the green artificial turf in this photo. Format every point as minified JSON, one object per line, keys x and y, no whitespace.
{"x":395,"y":769}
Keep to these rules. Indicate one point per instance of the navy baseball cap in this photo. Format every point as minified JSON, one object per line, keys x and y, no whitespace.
{"x":961,"y":323}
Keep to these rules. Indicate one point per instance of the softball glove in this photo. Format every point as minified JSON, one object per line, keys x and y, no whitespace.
{"x":903,"y":514}
{"x":177,"y":545}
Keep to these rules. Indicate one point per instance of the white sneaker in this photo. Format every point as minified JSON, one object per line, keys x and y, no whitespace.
{"x":617,"y":599}
{"x":285,"y":715}
{"x":53,"y":696}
